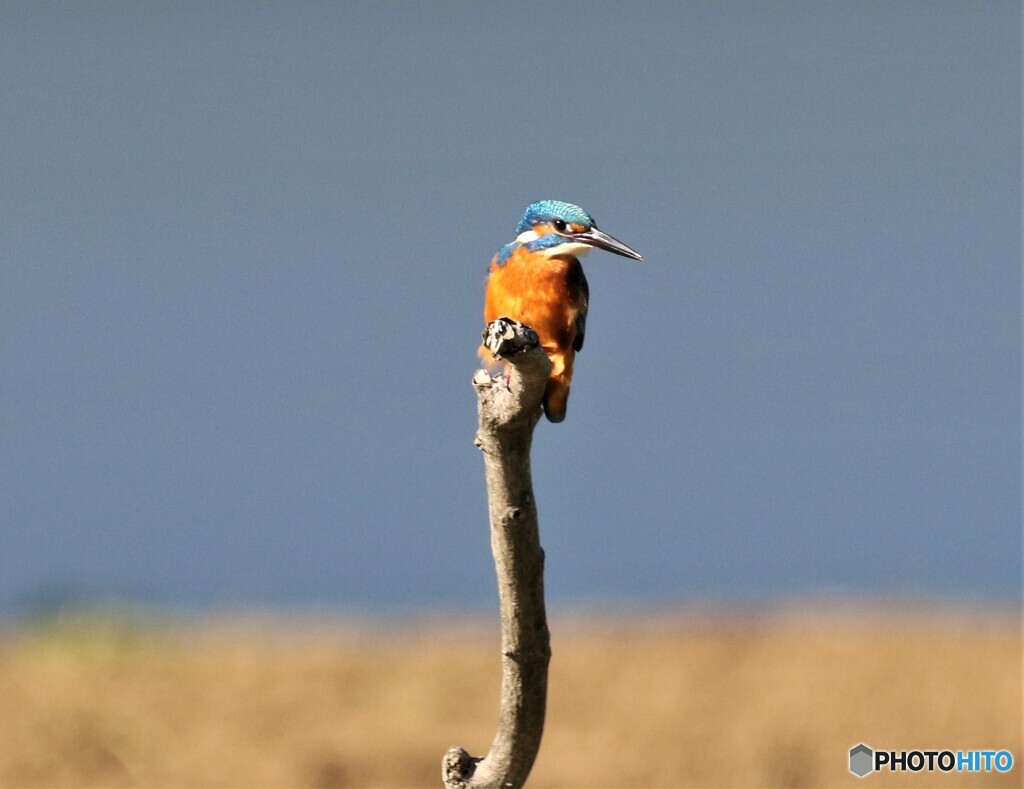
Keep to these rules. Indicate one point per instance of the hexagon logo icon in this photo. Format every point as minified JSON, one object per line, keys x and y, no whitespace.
{"x":862,"y":760}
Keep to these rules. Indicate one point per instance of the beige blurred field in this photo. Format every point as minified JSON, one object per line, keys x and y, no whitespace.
{"x":689,"y":699}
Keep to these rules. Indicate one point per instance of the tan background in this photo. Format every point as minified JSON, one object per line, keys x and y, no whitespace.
{"x":699,"y":699}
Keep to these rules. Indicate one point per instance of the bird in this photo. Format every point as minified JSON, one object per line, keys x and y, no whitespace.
{"x":538,"y":280}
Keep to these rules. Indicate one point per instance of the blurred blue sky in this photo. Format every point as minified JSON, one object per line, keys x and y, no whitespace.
{"x":242,"y":262}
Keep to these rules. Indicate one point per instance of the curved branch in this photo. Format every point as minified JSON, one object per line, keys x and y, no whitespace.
{"x":509,"y":408}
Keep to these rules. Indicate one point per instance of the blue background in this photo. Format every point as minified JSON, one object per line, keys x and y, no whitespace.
{"x":242,"y":260}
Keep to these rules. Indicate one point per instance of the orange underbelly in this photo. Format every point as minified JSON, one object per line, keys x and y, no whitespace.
{"x":539,"y":293}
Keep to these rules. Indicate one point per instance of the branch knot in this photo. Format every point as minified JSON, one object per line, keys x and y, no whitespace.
{"x":458,"y":767}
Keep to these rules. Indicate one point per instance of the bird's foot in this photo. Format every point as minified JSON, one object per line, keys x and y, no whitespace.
{"x":505,"y":337}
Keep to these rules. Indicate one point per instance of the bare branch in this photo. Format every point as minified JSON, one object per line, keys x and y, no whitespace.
{"x":509,"y":409}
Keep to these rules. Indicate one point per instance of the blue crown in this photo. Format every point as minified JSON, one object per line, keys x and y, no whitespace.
{"x":546,"y":211}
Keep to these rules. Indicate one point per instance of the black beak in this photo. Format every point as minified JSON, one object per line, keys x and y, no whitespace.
{"x":601,"y":240}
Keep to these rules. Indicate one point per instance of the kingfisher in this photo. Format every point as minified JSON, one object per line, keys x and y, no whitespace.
{"x":538,"y":280}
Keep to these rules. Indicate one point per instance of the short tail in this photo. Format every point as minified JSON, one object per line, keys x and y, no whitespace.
{"x":556,"y":399}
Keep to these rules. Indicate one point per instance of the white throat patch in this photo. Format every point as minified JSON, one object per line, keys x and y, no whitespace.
{"x":567,"y":247}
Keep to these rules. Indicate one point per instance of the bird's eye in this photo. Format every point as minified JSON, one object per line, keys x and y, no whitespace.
{"x":559,"y":225}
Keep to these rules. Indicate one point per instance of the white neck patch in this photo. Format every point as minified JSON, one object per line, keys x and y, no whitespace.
{"x":568,"y":248}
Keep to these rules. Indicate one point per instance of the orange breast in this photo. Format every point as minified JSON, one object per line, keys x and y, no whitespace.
{"x":548,"y":295}
{"x":544,"y":293}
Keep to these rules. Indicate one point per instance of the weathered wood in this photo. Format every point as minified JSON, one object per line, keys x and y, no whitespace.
{"x":509,"y":408}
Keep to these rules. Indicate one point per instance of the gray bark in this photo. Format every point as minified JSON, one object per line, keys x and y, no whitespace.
{"x":508,"y":412}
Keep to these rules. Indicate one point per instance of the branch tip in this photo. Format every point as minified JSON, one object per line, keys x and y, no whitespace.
{"x":505,"y":337}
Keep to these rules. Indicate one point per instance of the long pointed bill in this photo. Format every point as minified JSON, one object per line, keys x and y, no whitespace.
{"x":601,"y":240}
